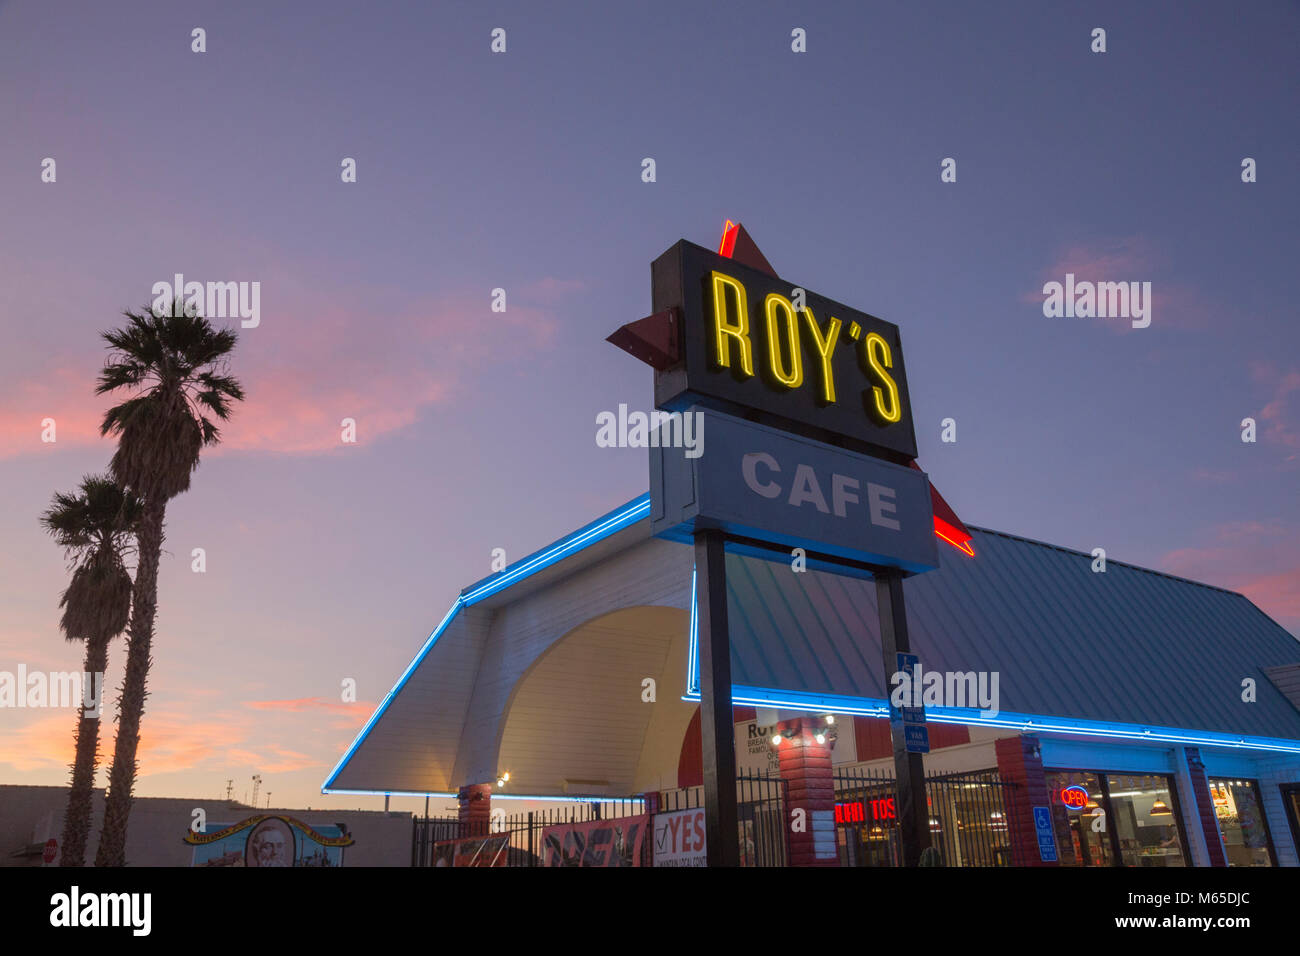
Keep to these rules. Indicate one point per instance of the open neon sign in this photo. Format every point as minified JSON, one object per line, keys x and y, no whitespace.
{"x":1075,"y":797}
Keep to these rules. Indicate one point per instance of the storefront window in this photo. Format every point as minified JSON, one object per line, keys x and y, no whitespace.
{"x":1079,"y":819}
{"x":1241,"y":822}
{"x":1145,"y":820}
{"x":1112,"y":819}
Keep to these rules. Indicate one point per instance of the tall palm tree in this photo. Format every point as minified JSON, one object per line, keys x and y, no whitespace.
{"x":173,"y":366}
{"x":94,"y":526}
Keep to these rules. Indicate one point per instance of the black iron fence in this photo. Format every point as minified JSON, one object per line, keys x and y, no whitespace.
{"x":761,"y":816}
{"x":760,"y":804}
{"x":968,"y":823}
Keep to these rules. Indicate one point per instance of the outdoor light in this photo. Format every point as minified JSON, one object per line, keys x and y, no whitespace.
{"x":820,"y":738}
{"x":830,"y":719}
{"x":776,"y":740}
{"x":506,"y":776}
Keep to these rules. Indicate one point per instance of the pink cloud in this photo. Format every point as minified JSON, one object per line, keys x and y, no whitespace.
{"x":1282,"y":410}
{"x":306,"y":371}
{"x":63,"y":393}
{"x":1260,"y":559}
{"x":1130,"y":259}
{"x":306,"y":704}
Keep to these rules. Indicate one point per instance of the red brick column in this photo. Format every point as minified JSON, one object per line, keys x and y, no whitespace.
{"x":1204,"y":808}
{"x":475,"y":809}
{"x":806,"y":768}
{"x":1019,"y":765}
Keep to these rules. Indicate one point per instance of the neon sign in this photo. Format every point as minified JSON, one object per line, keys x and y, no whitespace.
{"x":1075,"y":797}
{"x":857,"y":812}
{"x":746,"y":339}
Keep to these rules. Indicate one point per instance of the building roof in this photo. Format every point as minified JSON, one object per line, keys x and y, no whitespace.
{"x":1127,"y":648}
{"x":1126,"y":645}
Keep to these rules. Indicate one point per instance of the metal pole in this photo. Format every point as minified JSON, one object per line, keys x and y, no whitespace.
{"x":717,"y":724}
{"x":913,"y":815}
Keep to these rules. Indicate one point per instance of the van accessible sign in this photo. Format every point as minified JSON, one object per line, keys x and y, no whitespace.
{"x":750,"y":340}
{"x":757,"y":482}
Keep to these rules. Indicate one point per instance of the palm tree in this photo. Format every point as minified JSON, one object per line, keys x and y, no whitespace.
{"x":173,"y":366}
{"x":94,"y":527}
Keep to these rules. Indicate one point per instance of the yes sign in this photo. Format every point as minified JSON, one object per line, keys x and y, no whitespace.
{"x":750,"y":340}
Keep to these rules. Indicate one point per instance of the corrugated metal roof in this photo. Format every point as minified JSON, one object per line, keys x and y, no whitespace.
{"x":1128,"y":645}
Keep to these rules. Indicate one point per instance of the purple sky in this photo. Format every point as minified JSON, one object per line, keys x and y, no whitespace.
{"x":522,"y":171}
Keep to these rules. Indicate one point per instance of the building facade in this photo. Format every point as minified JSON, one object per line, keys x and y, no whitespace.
{"x":1155,"y":720}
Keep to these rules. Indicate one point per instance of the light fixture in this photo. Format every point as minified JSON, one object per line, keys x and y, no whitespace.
{"x":776,"y":740}
{"x":1159,"y":809}
{"x":820,"y":738}
{"x":830,"y":719}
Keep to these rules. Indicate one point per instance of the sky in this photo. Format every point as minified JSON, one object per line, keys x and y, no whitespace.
{"x":522,"y":170}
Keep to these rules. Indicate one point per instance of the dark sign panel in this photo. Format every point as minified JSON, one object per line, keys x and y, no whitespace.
{"x":751,"y":341}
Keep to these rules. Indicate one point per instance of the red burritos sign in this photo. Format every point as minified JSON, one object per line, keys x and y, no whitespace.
{"x":595,"y":842}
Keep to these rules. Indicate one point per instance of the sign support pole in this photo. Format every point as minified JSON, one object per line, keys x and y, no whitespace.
{"x":717,"y":723}
{"x":909,"y":768}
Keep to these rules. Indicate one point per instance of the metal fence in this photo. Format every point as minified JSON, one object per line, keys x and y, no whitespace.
{"x":760,"y":813}
{"x":968,"y":822}
{"x":760,"y":804}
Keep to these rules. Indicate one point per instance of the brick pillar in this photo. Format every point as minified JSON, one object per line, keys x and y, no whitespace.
{"x":806,"y":768}
{"x":1020,"y":766}
{"x":475,"y":809}
{"x":1203,"y":810}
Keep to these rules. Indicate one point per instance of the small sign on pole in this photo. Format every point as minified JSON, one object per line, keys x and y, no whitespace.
{"x":1046,"y":839}
{"x":915,"y":732}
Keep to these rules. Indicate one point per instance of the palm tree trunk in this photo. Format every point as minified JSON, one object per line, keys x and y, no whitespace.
{"x":130,"y":705}
{"x":81,"y":795}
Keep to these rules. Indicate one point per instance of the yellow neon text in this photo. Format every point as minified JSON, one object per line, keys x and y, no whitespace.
{"x":794,"y":377}
{"x":825,"y":346}
{"x":878,"y":357}
{"x":722,"y":330}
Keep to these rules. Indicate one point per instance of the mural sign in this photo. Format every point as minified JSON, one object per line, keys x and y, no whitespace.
{"x":269,"y":840}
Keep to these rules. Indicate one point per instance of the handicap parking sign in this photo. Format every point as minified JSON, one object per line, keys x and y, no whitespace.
{"x":1046,"y":839}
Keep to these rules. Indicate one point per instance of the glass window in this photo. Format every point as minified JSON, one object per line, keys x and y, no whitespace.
{"x":1145,"y":819}
{"x":1079,"y":818}
{"x":1111,"y":819}
{"x":1241,"y":821}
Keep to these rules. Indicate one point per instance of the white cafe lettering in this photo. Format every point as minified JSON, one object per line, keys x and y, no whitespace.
{"x":806,"y":489}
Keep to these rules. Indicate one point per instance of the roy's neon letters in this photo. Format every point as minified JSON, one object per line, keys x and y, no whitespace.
{"x":796,"y":348}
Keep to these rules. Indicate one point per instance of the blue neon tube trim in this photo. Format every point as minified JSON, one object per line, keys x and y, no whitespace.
{"x":598,"y":530}
{"x":875,"y":707}
{"x":692,"y":659}
{"x":616,"y":520}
